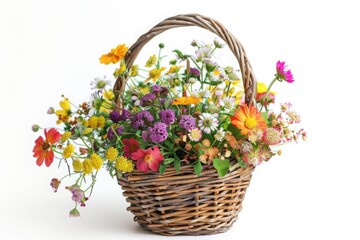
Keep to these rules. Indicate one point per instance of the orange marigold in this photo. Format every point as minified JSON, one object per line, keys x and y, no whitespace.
{"x":115,"y":55}
{"x":247,"y":118}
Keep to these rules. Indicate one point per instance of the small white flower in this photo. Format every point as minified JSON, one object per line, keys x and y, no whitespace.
{"x":136,"y":100}
{"x":227,"y":102}
{"x":208,"y":122}
{"x":100,"y":83}
{"x":220,"y":134}
{"x":203,"y":93}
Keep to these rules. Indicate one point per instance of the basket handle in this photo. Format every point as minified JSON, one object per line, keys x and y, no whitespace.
{"x":248,"y":76}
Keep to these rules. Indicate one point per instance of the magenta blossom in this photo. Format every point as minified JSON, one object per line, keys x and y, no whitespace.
{"x":282,"y":73}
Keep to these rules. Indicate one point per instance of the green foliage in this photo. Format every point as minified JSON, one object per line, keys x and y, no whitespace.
{"x":222,"y":166}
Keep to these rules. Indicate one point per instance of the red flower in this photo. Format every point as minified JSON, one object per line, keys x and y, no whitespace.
{"x":148,"y":158}
{"x":42,"y":149}
{"x":131,"y":146}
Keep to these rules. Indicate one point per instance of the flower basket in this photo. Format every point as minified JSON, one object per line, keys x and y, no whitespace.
{"x":184,"y":203}
{"x":194,"y":133}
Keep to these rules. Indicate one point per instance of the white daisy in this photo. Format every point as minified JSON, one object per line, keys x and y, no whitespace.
{"x":220,"y":134}
{"x":208,"y":122}
{"x":228,"y":103}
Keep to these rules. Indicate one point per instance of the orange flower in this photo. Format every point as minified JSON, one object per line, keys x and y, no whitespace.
{"x":247,"y":118}
{"x":42,"y":149}
{"x":115,"y":55}
{"x":186,"y":100}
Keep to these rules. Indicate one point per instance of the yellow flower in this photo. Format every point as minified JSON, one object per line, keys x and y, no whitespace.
{"x":262,"y":88}
{"x":121,"y":70}
{"x":154,"y":74}
{"x":65,"y":136}
{"x":109,"y":94}
{"x":134,"y":70}
{"x":101,"y":122}
{"x":124,"y":165}
{"x":150,"y":61}
{"x":115,"y":55}
{"x":111,"y":154}
{"x":96,"y":161}
{"x":64,"y":113}
{"x":77,"y":165}
{"x":186,"y":100}
{"x":68,"y":151}
{"x":87,"y":166}
{"x":173,"y":69}
{"x":93,"y":121}
{"x":87,"y":131}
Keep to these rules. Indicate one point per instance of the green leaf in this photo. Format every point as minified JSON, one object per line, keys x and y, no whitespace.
{"x":198,"y":168}
{"x":234,"y":130}
{"x":241,"y":162}
{"x":180,"y":54}
{"x":177,"y":164}
{"x":162,"y":169}
{"x":265,"y":117}
{"x":222,"y":166}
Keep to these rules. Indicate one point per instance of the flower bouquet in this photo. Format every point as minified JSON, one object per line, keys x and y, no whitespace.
{"x":182,"y":136}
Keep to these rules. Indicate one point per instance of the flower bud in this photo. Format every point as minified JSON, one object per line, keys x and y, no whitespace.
{"x":74,"y":213}
{"x":51,"y":110}
{"x":35,"y":127}
{"x":161,"y":45}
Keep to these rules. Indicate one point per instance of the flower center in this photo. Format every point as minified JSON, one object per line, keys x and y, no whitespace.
{"x":148,"y":158}
{"x":45,"y":146}
{"x":250,"y":122}
{"x":207,"y":122}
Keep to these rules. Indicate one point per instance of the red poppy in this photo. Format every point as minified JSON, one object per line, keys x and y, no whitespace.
{"x":42,"y":149}
{"x":131,"y":146}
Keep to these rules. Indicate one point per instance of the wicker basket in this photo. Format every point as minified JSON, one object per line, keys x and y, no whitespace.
{"x":184,"y":203}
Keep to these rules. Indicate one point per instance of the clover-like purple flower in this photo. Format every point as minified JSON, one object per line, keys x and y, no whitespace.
{"x":167,"y":116}
{"x":187,"y":122}
{"x":158,"y":133}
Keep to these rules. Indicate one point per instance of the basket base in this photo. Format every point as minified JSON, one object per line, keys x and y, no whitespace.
{"x":187,"y":230}
{"x":183,"y":203}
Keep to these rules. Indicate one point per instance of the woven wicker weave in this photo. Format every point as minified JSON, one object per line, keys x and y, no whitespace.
{"x":184,"y":203}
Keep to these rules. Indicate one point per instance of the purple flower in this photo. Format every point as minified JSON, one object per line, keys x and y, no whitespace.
{"x":110,"y":134}
{"x":147,"y":99}
{"x":125,"y":115}
{"x":141,"y":118}
{"x":158,"y":133}
{"x":119,"y":130}
{"x":195,"y":72}
{"x":187,"y":122}
{"x":77,"y":194}
{"x":114,"y":116}
{"x":156,"y":88}
{"x":145,"y":136}
{"x":167,"y":116}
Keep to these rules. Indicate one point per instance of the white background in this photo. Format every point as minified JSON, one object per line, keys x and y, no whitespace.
{"x":49,"y":48}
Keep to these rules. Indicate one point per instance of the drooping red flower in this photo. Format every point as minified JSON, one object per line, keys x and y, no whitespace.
{"x":282,"y":73}
{"x":148,"y":158}
{"x":131,"y":146}
{"x":43,"y":148}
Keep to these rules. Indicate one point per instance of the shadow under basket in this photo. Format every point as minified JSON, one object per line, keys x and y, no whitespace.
{"x":184,"y":203}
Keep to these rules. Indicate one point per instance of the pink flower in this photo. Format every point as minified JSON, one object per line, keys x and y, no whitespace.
{"x":282,"y":73}
{"x":147,"y":158}
{"x":131,"y":146}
